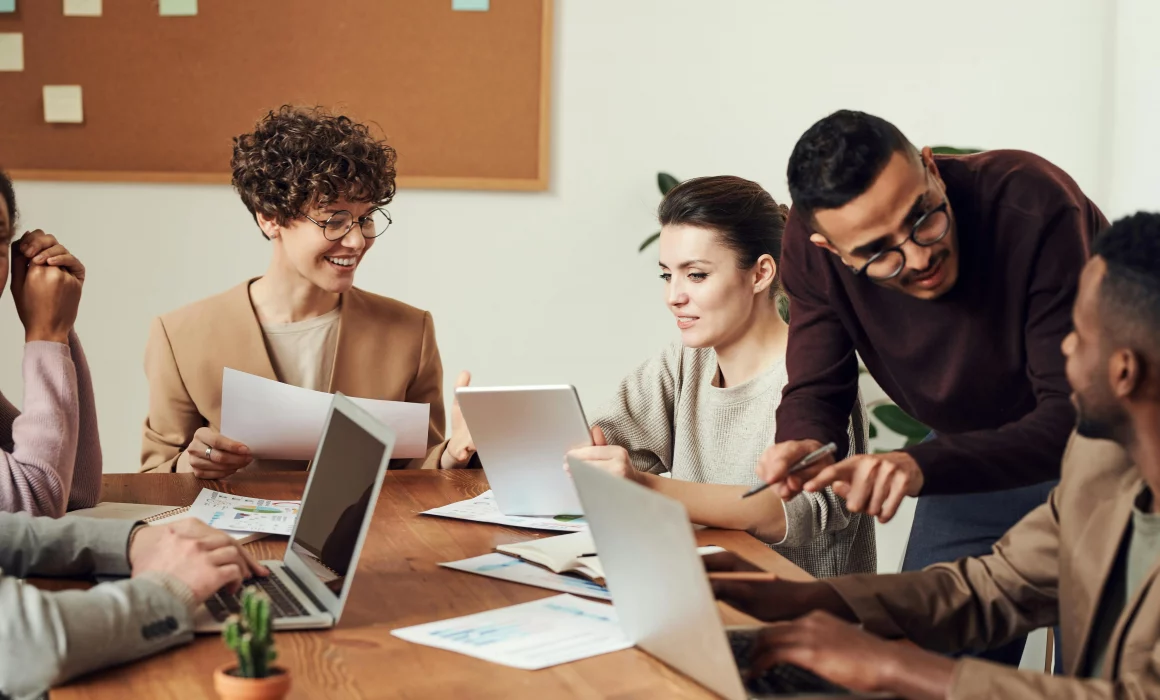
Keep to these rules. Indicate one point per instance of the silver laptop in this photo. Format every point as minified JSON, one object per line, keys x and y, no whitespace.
{"x":309,"y":587}
{"x":522,"y":434}
{"x":646,"y":547}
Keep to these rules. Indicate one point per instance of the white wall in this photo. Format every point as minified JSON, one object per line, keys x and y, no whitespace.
{"x":548,"y":287}
{"x":1134,"y":101}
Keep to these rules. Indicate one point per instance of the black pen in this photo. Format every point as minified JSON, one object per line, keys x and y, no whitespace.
{"x":802,"y":464}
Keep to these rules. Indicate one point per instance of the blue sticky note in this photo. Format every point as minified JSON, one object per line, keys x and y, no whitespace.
{"x":10,"y":6}
{"x":177,"y":8}
{"x":470,"y":5}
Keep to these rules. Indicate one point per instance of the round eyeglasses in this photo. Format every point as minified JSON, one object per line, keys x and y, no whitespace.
{"x":928,"y":230}
{"x":373,"y":224}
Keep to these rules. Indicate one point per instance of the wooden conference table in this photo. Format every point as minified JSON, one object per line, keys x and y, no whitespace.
{"x":399,"y":583}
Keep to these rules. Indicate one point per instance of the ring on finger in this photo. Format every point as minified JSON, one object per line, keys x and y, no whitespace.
{"x":209,"y":454}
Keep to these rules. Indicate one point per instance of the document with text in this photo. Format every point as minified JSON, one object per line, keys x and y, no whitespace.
{"x":529,"y":636}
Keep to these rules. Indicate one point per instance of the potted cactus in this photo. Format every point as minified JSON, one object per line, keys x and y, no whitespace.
{"x":249,"y":635}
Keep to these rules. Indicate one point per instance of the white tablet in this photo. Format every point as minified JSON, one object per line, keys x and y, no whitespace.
{"x":522,"y":435}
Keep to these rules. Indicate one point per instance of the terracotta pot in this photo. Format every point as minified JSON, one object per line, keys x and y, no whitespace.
{"x":231,"y":687}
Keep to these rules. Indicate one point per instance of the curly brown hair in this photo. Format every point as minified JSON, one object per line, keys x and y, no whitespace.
{"x":299,"y":158}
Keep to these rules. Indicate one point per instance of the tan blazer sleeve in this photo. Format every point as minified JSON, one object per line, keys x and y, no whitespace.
{"x":173,"y":417}
{"x":972,"y":604}
{"x":982,"y":680}
{"x":427,"y":387}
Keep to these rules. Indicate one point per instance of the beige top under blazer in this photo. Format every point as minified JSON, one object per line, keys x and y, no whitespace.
{"x":386,"y":350}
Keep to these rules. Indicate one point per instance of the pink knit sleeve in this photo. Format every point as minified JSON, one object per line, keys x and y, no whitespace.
{"x":36,"y":464}
{"x":86,"y":478}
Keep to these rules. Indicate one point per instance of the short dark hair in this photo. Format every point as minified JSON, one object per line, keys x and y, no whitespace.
{"x":297,"y":158}
{"x":9,"y":195}
{"x":838,"y":158}
{"x":1130,"y":292}
{"x":746,"y":217}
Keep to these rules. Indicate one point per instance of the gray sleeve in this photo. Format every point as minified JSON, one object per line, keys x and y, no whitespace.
{"x":640,"y":417}
{"x":69,"y":546}
{"x":47,"y":638}
{"x":809,"y":515}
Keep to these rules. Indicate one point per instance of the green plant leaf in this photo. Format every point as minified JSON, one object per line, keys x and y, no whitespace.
{"x":648,"y":241}
{"x":666,"y":182}
{"x":953,"y":150}
{"x":873,"y":431}
{"x":896,"y":419}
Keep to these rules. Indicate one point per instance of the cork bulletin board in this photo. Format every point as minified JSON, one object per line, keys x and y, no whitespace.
{"x":462,"y":96}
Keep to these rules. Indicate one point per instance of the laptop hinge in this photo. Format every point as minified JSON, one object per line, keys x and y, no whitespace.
{"x":306,"y":591}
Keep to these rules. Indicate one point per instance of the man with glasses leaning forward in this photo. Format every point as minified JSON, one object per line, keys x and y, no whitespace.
{"x":952,"y":277}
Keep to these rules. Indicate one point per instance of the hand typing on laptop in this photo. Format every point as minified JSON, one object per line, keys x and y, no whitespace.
{"x":812,"y":628}
{"x":202,"y":558}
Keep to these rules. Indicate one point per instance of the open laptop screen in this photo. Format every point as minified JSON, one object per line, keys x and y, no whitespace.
{"x":338,"y":500}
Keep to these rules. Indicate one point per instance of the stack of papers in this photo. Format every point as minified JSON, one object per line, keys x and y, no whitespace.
{"x":530,"y":636}
{"x":483,"y":509}
{"x":246,"y":519}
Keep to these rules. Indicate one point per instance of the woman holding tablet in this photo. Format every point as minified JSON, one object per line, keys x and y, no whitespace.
{"x":703,"y":410}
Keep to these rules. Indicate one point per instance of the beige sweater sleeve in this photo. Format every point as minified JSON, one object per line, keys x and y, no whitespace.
{"x":639,"y":417}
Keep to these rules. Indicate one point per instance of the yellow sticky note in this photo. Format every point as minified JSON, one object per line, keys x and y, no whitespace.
{"x":82,"y":8}
{"x":63,"y":104}
{"x":177,"y":8}
{"x":11,"y":51}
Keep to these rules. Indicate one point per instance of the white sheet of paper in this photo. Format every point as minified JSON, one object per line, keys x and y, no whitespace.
{"x":82,"y":8}
{"x":530,"y":636}
{"x":482,"y":509}
{"x":63,"y":104}
{"x":280,"y":421}
{"x":501,"y":566}
{"x":11,"y":51}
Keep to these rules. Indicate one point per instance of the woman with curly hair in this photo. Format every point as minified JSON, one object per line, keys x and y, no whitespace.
{"x":316,"y":184}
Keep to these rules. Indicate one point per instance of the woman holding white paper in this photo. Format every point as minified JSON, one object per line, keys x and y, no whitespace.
{"x":703,"y":411}
{"x":316,"y":185}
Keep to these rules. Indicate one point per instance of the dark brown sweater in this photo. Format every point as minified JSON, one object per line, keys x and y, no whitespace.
{"x":981,"y":365}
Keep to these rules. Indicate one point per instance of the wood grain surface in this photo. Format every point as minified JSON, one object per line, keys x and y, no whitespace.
{"x":398,"y":583}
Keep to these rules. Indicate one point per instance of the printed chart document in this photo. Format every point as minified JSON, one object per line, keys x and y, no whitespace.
{"x":280,"y":421}
{"x":226,"y":511}
{"x":501,"y":566}
{"x":482,"y":509}
{"x":530,"y":636}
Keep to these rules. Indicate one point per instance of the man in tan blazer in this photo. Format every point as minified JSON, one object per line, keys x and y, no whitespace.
{"x":317,"y":185}
{"x":1087,"y":560}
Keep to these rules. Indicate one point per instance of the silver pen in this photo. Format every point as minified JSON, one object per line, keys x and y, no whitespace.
{"x":804,"y":462}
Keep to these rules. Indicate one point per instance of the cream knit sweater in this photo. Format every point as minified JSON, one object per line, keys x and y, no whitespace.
{"x":671,"y":416}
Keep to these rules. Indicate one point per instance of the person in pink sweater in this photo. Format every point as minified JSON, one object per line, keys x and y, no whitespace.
{"x":50,"y":454}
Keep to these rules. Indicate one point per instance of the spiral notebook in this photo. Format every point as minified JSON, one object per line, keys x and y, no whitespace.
{"x":154,"y":515}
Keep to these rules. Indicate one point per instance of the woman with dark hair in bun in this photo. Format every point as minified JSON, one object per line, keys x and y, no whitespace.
{"x":702,"y":412}
{"x":317,"y":185}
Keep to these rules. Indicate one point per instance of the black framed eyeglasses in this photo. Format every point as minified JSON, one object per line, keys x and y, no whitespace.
{"x":373,"y":224}
{"x":887,"y":264}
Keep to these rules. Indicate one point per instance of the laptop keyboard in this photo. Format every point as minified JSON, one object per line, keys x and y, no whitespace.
{"x":282,"y":601}
{"x":782,"y":679}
